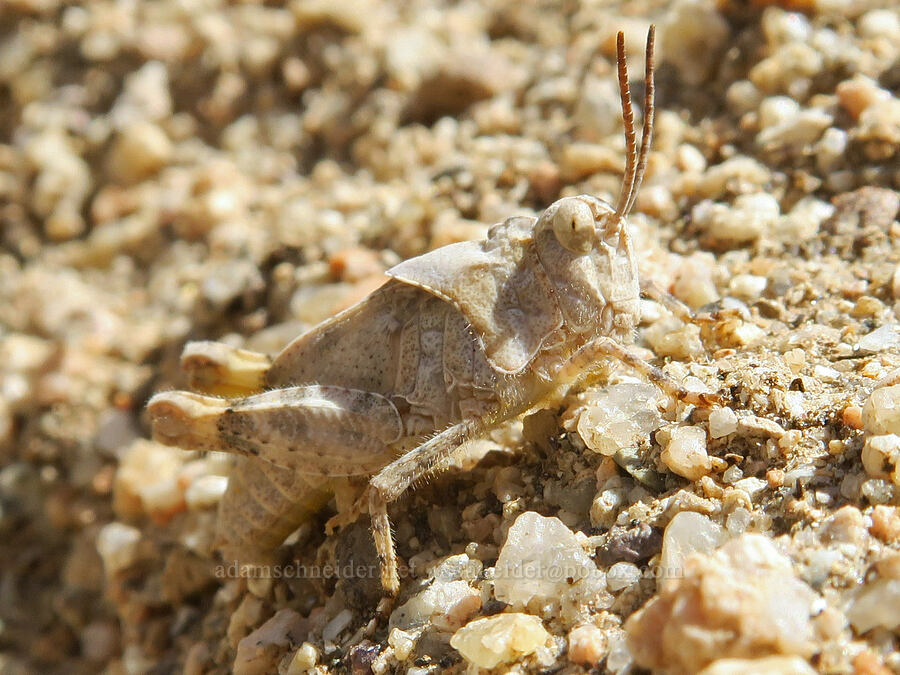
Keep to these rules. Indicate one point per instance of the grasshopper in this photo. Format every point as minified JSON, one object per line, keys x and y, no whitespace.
{"x":456,"y":342}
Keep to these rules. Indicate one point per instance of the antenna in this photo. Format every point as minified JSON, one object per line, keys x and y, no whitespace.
{"x":649,"y":115}
{"x":628,"y":119}
{"x":635,"y":166}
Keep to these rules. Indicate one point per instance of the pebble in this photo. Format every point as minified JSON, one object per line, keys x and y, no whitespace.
{"x":261,"y":586}
{"x":722,"y":422}
{"x":694,"y":283}
{"x":742,"y":599}
{"x":459,"y":81}
{"x":748,"y":287}
{"x":147,"y":481}
{"x":859,"y":93}
{"x":337,"y":625}
{"x":895,"y":283}
{"x":205,"y":491}
{"x":796,"y":360}
{"x":685,"y":452}
{"x":800,"y":476}
{"x":686,"y":533}
{"x":587,"y":645}
{"x":830,"y":148}
{"x":881,"y":411}
{"x":410,"y":55}
{"x":846,"y":526}
{"x":139,"y":151}
{"x":689,"y":158}
{"x":134,"y":660}
{"x":583,"y":159}
{"x":880,"y":123}
{"x":751,"y":216}
{"x":878,"y":340}
{"x":776,"y":110}
{"x":248,"y":611}
{"x":117,"y":545}
{"x":732,"y":474}
{"x":304,"y":659}
{"x":622,"y":575}
{"x":868,"y":663}
{"x":743,"y":96}
{"x":402,"y":643}
{"x":754,"y":425}
{"x":691,"y":36}
{"x":618,"y":417}
{"x":675,"y":339}
{"x":657,"y":202}
{"x":886,"y":523}
{"x":876,"y":604}
{"x":619,"y":658}
{"x":877,"y":491}
{"x":880,"y":23}
{"x":804,"y":219}
{"x":145,"y":96}
{"x":446,"y":604}
{"x":780,"y":27}
{"x":769,"y":665}
{"x":260,"y":652}
{"x":738,"y":175}
{"x":607,"y":503}
{"x":797,"y":132}
{"x":504,"y":638}
{"x":881,"y":457}
{"x":596,"y":112}
{"x":61,"y":187}
{"x":542,"y":561}
{"x":826,"y":374}
{"x":788,"y":69}
{"x":738,"y":521}
{"x":739,"y":334}
{"x":346,"y":16}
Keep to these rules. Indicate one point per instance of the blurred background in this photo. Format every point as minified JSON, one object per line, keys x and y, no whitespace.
{"x":198,"y":169}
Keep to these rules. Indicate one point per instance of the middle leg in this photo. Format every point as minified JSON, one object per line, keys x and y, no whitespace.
{"x":393,"y":480}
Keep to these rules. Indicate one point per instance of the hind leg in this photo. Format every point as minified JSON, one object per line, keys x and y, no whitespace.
{"x":215,"y":368}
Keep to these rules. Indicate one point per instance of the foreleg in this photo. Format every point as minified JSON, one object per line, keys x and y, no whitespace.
{"x":583,"y":366}
{"x":653,"y":291}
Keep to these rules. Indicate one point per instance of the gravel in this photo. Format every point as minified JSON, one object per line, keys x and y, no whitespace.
{"x":177,"y":171}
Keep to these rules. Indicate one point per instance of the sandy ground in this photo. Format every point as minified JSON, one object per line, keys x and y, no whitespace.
{"x":187,"y":170}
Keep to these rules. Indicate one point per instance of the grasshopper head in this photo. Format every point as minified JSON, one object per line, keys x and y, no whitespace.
{"x":583,"y":243}
{"x":580,"y":223}
{"x":574,"y":223}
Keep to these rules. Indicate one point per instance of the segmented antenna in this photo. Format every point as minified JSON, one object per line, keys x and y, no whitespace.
{"x":628,"y":119}
{"x":649,"y":115}
{"x":635,"y":166}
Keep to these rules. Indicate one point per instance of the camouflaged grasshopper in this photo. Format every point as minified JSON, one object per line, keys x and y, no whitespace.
{"x":456,"y":342}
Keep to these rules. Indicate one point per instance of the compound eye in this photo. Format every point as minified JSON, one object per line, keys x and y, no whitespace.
{"x":573,"y":225}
